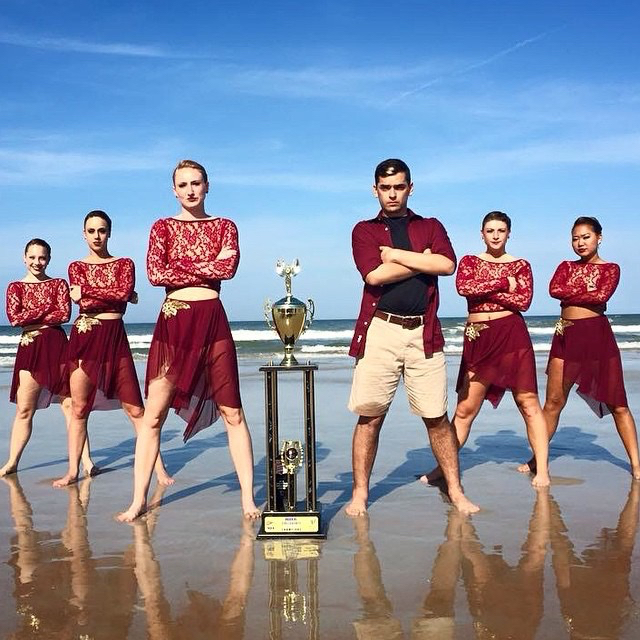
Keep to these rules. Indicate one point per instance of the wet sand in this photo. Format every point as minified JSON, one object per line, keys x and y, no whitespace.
{"x":554,"y":564}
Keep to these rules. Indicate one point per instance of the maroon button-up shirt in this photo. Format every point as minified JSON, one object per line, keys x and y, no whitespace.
{"x":366,"y":239}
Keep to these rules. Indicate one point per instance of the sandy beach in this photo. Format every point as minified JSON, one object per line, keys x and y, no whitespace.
{"x":554,"y":564}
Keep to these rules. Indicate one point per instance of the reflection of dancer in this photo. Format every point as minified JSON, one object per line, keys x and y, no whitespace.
{"x":497,"y":353}
{"x":399,"y":256}
{"x":584,"y":350}
{"x":192,"y":364}
{"x":593,"y":587}
{"x":39,"y":304}
{"x":377,"y":620}
{"x":102,"y":373}
{"x":505,"y":601}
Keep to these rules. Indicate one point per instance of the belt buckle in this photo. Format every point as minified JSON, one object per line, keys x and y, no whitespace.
{"x":411,"y":323}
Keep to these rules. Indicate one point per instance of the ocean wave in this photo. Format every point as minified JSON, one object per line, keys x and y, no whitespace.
{"x":262,"y":335}
{"x":323,"y":348}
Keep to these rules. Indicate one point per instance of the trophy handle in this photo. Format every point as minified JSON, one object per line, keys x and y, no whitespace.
{"x":311,"y":308}
{"x":267,"y":314}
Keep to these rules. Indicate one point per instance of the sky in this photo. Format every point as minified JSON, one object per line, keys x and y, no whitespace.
{"x":526,"y":107}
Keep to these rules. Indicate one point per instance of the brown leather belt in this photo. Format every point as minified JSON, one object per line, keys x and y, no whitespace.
{"x":406,"y":322}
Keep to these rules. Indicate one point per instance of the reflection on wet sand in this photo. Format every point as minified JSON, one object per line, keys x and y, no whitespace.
{"x":593,"y":587}
{"x":293,"y":601}
{"x":60,"y":590}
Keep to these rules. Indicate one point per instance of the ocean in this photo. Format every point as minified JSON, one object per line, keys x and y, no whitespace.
{"x":329,"y":339}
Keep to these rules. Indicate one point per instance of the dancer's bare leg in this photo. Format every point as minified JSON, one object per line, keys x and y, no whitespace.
{"x":626,"y":427}
{"x":529,"y":407}
{"x":363,"y":454}
{"x":136,"y":415}
{"x":81,"y":388}
{"x":445,"y":449}
{"x":26,"y":400}
{"x":161,"y":392}
{"x":555,"y":401}
{"x":241,"y":451}
{"x":470,"y":399}
{"x":90,"y":468}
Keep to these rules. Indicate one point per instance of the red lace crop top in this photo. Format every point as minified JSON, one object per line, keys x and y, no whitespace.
{"x":485,"y":286}
{"x":584,"y":283}
{"x":45,"y":302}
{"x":192,"y":253}
{"x":106,"y":287}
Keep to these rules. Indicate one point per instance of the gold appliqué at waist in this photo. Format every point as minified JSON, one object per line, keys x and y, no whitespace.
{"x":170,"y":307}
{"x":561,"y":325}
{"x":28,"y":337}
{"x":473,"y":329}
{"x":85,"y":323}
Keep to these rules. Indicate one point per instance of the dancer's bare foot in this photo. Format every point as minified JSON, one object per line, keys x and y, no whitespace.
{"x":528,"y":467}
{"x":65,"y":481}
{"x":133,"y":512}
{"x":8,"y":469}
{"x":249,"y":509}
{"x":164,"y":478}
{"x":93,"y":471}
{"x":541,"y":480}
{"x":462,"y":503}
{"x":433,"y":477}
{"x":357,"y":507}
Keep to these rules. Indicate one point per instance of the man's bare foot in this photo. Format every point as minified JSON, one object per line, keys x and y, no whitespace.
{"x":249,"y":509}
{"x":462,"y":503}
{"x":528,"y":467}
{"x":65,"y":481}
{"x":357,"y":507}
{"x":133,"y":512}
{"x":433,"y":477}
{"x":541,"y":480}
{"x":164,"y":479}
{"x":8,"y":469}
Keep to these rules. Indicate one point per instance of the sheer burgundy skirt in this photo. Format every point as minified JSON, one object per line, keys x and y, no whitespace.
{"x":499,"y":353}
{"x":592,"y":361}
{"x":192,"y":347}
{"x":101,"y":349}
{"x":43,"y":354}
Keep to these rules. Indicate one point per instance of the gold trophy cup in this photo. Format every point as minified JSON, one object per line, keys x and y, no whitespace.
{"x":289,"y":317}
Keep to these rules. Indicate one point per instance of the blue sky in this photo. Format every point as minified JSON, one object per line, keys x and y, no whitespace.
{"x":527,"y":107}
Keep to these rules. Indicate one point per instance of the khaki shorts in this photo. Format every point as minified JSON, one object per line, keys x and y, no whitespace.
{"x":391,"y":353}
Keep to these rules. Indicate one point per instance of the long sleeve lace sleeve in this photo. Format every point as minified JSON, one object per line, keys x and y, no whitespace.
{"x":474,"y":280}
{"x":161,"y":271}
{"x":576,"y":283}
{"x":225,"y":265}
{"x":117,"y":286}
{"x":520,"y":299}
{"x":15,"y":312}
{"x":60,"y":311}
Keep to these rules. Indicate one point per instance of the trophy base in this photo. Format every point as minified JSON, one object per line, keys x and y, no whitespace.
{"x":291,"y":524}
{"x":289,"y":360}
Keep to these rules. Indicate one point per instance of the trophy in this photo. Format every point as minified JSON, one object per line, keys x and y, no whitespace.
{"x":283,"y":517}
{"x":288,"y":316}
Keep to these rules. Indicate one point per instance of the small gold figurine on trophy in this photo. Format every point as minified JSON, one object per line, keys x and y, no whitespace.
{"x":289,"y":317}
{"x":290,"y":460}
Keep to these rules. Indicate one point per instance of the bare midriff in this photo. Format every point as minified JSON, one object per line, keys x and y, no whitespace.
{"x":579,"y":313}
{"x":104,"y":315}
{"x":485,"y":316}
{"x":193,"y":294}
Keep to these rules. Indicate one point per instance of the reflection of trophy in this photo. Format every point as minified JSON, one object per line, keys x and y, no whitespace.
{"x":283,"y":517}
{"x":288,"y":316}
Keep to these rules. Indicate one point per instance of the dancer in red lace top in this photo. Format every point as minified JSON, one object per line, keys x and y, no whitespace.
{"x":584,"y":350}
{"x":39,"y":304}
{"x":192,"y":365}
{"x":102,"y":373}
{"x":497,"y":352}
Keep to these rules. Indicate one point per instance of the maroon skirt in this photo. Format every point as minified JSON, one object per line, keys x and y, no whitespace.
{"x":499,"y":353}
{"x":43,"y":353}
{"x":101,"y":349}
{"x":592,"y":361}
{"x":192,"y":347}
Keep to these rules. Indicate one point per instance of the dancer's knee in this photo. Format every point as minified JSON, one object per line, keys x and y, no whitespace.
{"x":232,"y":416}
